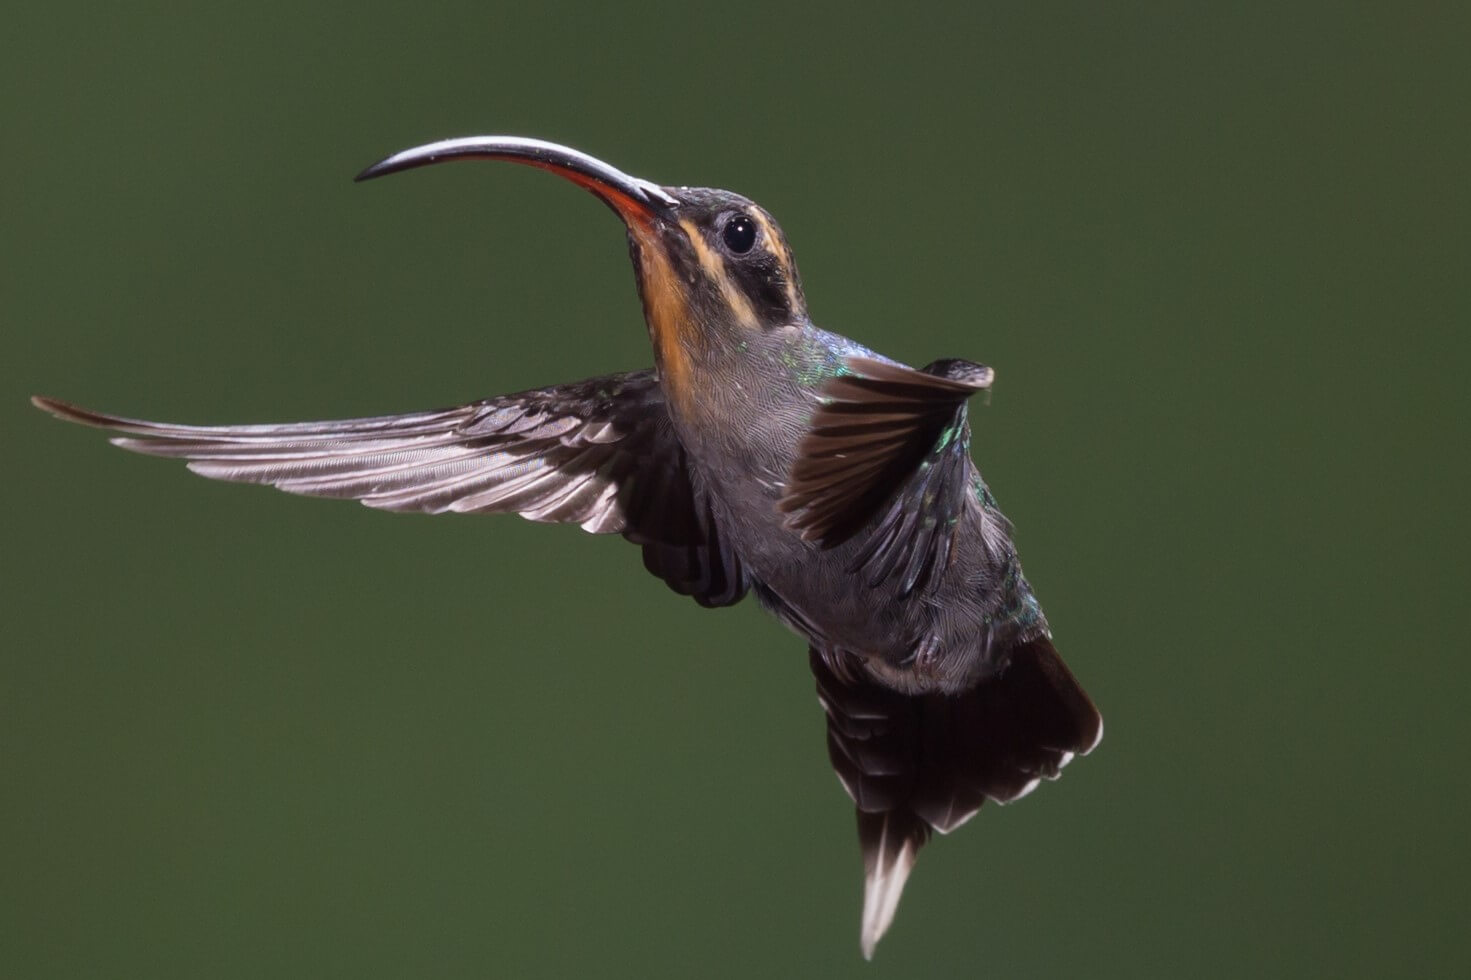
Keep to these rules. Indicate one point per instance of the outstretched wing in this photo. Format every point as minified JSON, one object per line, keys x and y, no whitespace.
{"x":599,"y":453}
{"x":916,"y":764}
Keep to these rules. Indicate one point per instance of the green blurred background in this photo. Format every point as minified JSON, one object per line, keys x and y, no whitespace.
{"x":1218,"y":258}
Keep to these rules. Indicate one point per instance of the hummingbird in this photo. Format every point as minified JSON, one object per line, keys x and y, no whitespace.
{"x":760,"y":454}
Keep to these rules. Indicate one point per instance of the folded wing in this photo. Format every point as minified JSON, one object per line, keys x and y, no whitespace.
{"x":888,"y":445}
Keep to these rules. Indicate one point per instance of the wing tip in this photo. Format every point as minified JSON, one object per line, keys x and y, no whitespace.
{"x":63,"y":410}
{"x":68,"y":412}
{"x":960,"y":376}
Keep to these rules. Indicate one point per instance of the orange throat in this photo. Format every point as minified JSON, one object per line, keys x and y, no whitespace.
{"x":666,"y":308}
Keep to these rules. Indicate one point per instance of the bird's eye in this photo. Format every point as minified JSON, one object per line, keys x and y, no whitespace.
{"x":739,"y":234}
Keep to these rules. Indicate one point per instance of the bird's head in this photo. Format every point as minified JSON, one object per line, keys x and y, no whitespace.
{"x":712,"y":266}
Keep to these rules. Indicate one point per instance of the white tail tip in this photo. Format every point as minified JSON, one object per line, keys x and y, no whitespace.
{"x":883,"y":885}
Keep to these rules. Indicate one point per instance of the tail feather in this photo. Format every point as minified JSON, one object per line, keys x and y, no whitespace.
{"x":891,"y":841}
{"x":913,"y":764}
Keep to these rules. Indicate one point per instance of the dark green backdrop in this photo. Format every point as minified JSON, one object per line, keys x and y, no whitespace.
{"x":1218,"y":259}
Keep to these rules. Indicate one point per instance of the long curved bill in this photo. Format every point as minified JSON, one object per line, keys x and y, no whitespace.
{"x":631,"y":197}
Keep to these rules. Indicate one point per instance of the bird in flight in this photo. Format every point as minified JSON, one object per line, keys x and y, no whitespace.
{"x":760,"y":454}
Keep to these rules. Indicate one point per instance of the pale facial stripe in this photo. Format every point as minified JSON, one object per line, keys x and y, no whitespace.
{"x":714,"y":266}
{"x":778,"y":248}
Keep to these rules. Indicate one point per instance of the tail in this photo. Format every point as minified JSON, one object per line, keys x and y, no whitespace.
{"x":914,"y":764}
